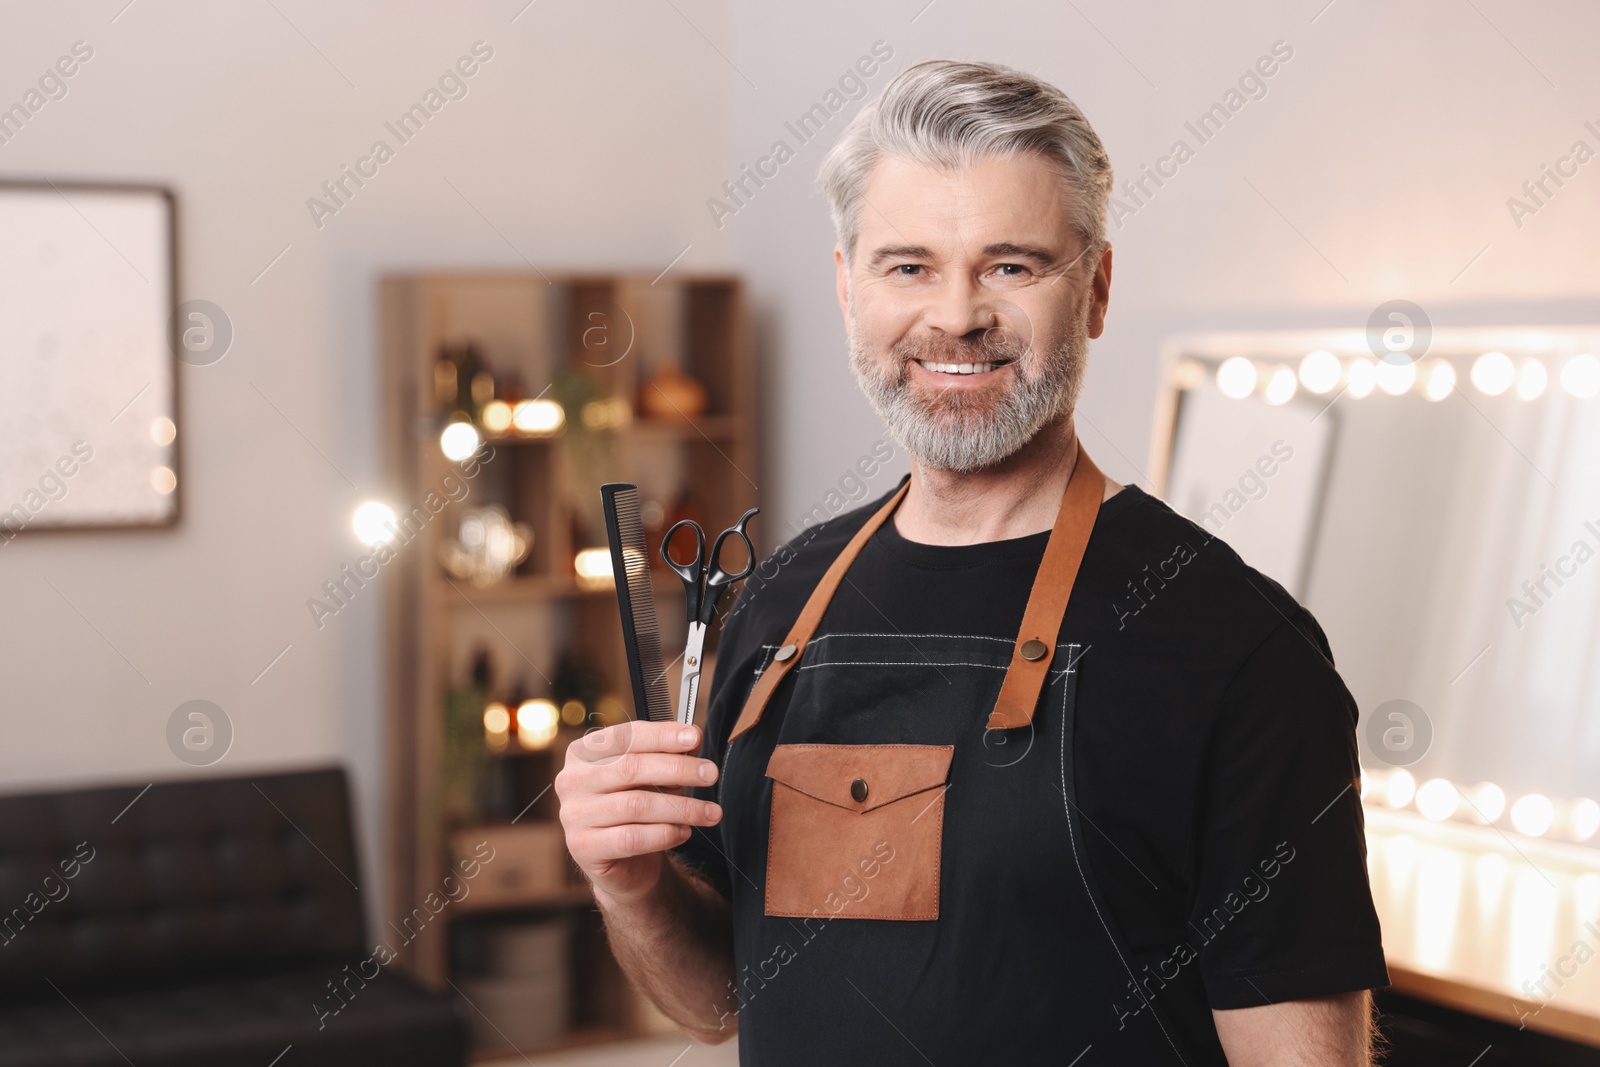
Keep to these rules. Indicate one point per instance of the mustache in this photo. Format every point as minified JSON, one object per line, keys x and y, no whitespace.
{"x":995,"y":345}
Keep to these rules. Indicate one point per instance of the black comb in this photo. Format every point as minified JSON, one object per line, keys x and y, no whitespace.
{"x":641,"y":634}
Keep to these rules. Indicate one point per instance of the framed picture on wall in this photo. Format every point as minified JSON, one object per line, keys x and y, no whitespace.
{"x":88,"y":364}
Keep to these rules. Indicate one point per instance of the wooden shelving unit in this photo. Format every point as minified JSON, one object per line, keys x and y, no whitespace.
{"x":598,"y":336}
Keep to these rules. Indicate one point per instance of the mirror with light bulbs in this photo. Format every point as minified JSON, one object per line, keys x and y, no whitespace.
{"x":1437,"y":509}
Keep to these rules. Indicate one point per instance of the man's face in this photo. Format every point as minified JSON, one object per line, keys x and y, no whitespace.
{"x":970,"y":302}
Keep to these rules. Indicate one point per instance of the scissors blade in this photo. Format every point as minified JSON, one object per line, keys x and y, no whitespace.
{"x":689,"y":687}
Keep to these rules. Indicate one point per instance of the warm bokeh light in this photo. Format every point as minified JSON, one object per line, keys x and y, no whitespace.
{"x":496,"y":718}
{"x":374,"y":523}
{"x":573,"y":713}
{"x":1488,"y":801}
{"x":163,"y":430}
{"x":537,"y":723}
{"x":1321,"y":371}
{"x":1533,"y":814}
{"x":1361,"y":377}
{"x":1440,"y":380}
{"x":593,"y":566}
{"x":1532,"y":380}
{"x":1400,"y":788}
{"x":1396,"y":379}
{"x":1583,"y":821}
{"x":1236,"y":377}
{"x":1493,"y":373}
{"x":496,"y":416}
{"x":1281,"y":385}
{"x":612,"y":413}
{"x":538,"y":417}
{"x":460,"y":441}
{"x":1580,"y":377}
{"x":162,"y":480}
{"x":1437,"y":799}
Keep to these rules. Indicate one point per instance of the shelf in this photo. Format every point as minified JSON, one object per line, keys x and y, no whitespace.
{"x":701,"y":427}
{"x":531,"y":328}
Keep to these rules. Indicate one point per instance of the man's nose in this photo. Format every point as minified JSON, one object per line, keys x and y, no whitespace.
{"x":957,"y":307}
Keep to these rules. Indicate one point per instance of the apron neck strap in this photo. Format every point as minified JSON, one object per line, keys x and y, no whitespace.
{"x":1035,"y":646}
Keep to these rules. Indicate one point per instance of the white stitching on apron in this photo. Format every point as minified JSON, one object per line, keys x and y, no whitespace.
{"x":1067,"y":806}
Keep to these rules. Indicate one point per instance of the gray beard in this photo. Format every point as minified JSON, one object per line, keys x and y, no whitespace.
{"x":950,"y":430}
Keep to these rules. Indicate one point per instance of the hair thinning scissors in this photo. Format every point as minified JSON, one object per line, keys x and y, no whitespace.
{"x":704,"y":579}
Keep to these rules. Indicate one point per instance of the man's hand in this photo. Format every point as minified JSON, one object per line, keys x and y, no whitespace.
{"x":671,"y":931}
{"x":621,"y":806}
{"x":1332,"y":1031}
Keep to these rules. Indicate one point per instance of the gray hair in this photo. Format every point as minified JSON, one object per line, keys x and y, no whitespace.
{"x":949,"y":114}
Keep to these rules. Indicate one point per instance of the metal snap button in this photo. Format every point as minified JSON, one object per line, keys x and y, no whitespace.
{"x":858,"y":790}
{"x":786,"y":652}
{"x":1033,"y":650}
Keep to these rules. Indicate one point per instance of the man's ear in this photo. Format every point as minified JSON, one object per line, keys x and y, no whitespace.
{"x":1100,"y":297}
{"x":842,"y":283}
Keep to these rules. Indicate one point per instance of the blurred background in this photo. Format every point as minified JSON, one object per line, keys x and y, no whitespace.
{"x":299,"y":435}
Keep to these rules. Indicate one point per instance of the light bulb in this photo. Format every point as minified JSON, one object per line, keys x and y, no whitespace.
{"x":1532,"y":814}
{"x":1532,"y":379}
{"x":1584,"y":819}
{"x":374,"y":523}
{"x":497,"y":416}
{"x":1236,"y":377}
{"x":1488,"y":800}
{"x":496,"y":719}
{"x":1280,"y":386}
{"x":1581,"y":376}
{"x":459,"y":441}
{"x":1441,"y":380}
{"x":1400,"y":789}
{"x":1320,"y":371}
{"x":1437,"y":799}
{"x":593,"y":567}
{"x":1361,"y":377}
{"x":537,"y":722}
{"x":1492,"y":373}
{"x":538,"y":416}
{"x":1396,"y":379}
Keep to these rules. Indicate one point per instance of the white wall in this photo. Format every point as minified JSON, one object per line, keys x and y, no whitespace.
{"x":586,"y":139}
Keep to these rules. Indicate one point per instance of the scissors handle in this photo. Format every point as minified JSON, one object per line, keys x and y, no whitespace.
{"x":693,"y":571}
{"x":719,"y":579}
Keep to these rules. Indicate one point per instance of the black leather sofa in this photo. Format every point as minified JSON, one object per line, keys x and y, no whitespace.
{"x":200,"y":922}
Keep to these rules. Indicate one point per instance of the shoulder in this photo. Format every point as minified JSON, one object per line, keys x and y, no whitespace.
{"x":1150,"y":569}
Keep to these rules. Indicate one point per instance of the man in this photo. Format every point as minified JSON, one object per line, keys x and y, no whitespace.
{"x":1014,"y":765}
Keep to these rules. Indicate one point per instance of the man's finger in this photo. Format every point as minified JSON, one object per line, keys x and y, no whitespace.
{"x":637,"y":839}
{"x":638,"y":735}
{"x":641,"y":770}
{"x":644,"y":806}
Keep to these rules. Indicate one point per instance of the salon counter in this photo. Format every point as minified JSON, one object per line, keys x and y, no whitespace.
{"x":1476,"y":920}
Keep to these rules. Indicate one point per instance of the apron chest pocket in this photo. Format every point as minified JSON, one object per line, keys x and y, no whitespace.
{"x":856,"y":830}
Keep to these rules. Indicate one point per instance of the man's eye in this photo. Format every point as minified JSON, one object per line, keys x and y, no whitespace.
{"x":1012,"y":270}
{"x":908,"y":270}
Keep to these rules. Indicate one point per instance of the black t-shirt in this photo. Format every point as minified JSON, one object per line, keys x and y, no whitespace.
{"x":1215,"y":746}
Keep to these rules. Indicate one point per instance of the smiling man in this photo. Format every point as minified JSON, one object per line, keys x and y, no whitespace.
{"x":952,"y":804}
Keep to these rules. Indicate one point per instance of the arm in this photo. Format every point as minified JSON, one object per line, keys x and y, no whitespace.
{"x":1334,"y":1031}
{"x":670,"y":930}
